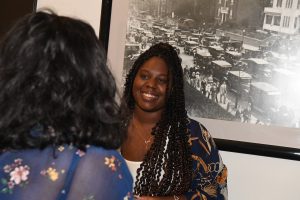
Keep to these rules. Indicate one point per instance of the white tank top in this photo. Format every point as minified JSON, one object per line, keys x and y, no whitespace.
{"x":133,"y":166}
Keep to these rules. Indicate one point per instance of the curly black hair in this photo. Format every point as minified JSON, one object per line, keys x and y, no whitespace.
{"x":55,"y":86}
{"x":175,"y":163}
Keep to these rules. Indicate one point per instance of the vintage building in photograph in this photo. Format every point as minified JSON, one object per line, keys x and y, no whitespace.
{"x":243,"y":12}
{"x":226,"y":10}
{"x":283,"y":17}
{"x":201,"y":11}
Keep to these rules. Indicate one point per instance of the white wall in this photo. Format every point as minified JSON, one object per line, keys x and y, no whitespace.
{"x":117,"y":35}
{"x":90,"y":11}
{"x":87,"y":10}
{"x":250,"y":177}
{"x":261,"y":178}
{"x":273,"y":135}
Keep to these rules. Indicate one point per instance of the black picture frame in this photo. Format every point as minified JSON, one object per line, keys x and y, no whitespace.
{"x":258,"y":149}
{"x":105,"y":22}
{"x":34,"y":5}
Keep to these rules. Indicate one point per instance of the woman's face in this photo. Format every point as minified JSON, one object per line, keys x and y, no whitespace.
{"x":150,"y":85}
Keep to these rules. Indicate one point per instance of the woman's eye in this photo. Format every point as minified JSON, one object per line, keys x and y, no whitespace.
{"x":144,"y":76}
{"x":161,"y":80}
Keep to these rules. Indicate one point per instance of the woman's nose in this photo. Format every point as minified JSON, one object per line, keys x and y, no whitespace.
{"x":151,"y":83}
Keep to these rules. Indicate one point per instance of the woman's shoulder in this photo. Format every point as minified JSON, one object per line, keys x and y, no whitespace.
{"x":110,"y":159}
{"x":200,"y":137}
{"x":100,"y":150}
{"x":62,"y":153}
{"x":97,"y":166}
{"x":110,"y":167}
{"x":105,"y":153}
{"x":195,"y":127}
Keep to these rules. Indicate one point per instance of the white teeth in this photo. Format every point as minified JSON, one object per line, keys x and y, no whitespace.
{"x":147,"y":95}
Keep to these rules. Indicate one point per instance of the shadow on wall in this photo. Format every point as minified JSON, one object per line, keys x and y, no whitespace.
{"x":11,"y":11}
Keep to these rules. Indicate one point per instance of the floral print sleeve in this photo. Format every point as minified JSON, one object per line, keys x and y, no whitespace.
{"x":209,"y":172}
{"x":53,"y":174}
{"x":16,"y":176}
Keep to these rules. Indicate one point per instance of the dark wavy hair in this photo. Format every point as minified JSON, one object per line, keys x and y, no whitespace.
{"x":176,"y":161}
{"x":55,"y":86}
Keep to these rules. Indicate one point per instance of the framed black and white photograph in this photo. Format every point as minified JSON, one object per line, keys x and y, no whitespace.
{"x":240,"y":60}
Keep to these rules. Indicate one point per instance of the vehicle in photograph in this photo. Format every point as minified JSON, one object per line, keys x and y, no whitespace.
{"x":251,"y":52}
{"x":260,"y":69}
{"x":184,"y":32}
{"x":181,"y":40}
{"x":168,"y":36}
{"x":209,"y":41}
{"x":264,"y":97}
{"x":196,"y":35}
{"x":158,"y":30}
{"x":232,"y":56}
{"x":216,"y":51}
{"x":186,"y":24}
{"x":157,"y":39}
{"x":173,"y":43}
{"x":202,"y":57}
{"x":208,"y":34}
{"x":232,"y":45}
{"x":190,"y":46}
{"x":239,"y":82}
{"x":195,"y":39}
{"x":224,"y":38}
{"x":132,"y":48}
{"x":177,"y":32}
{"x":220,"y":69}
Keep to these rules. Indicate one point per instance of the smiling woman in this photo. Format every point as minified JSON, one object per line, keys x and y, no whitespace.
{"x":150,"y":85}
{"x":169,"y":155}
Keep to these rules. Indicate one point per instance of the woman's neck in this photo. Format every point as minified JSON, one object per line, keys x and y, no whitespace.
{"x":146,"y":118}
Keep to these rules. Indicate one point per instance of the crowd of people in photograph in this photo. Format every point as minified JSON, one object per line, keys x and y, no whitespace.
{"x":223,"y":69}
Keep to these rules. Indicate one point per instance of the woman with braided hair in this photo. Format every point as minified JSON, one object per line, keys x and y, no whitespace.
{"x":169,"y":155}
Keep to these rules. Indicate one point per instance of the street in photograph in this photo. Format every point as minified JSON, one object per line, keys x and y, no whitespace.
{"x":240,"y":58}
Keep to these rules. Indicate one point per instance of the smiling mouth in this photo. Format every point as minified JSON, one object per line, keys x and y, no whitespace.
{"x":148,"y":96}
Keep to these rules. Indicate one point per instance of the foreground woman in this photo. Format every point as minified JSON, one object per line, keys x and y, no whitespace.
{"x":59,"y":120}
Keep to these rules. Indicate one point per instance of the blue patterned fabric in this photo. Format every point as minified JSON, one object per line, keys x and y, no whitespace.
{"x":64,"y":173}
{"x":209,"y":172}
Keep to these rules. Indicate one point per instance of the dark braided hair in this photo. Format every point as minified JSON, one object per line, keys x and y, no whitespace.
{"x":174,"y":160}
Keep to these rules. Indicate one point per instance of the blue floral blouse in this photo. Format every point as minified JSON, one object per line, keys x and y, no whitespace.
{"x":209,"y":172}
{"x":64,"y":173}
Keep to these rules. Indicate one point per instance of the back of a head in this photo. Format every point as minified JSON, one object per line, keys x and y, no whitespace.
{"x":53,"y":73}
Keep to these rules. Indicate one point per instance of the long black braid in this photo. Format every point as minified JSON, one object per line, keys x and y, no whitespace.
{"x":174,"y":160}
